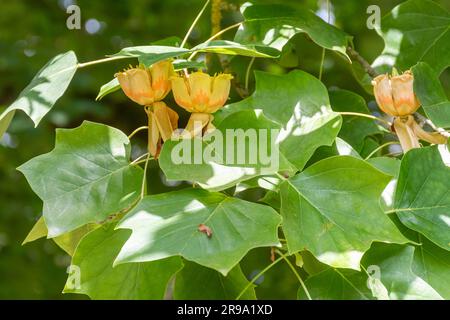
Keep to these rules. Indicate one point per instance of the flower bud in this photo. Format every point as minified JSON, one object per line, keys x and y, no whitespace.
{"x":201,"y":93}
{"x":395,"y":94}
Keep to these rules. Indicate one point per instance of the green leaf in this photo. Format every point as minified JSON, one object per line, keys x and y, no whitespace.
{"x":234,"y":48}
{"x":335,"y":284}
{"x":332,"y":209}
{"x":167,"y":224}
{"x":392,"y":264}
{"x":195,"y":282}
{"x":354,"y":129}
{"x":5,"y":121}
{"x":431,"y":94}
{"x":67,"y":241}
{"x":108,"y":88}
{"x":94,"y":257}
{"x":274,"y":25}
{"x":86,"y":177}
{"x":338,"y":148}
{"x":272,"y":198}
{"x":389,"y":166}
{"x":47,"y":86}
{"x":416,"y":30}
{"x":70,"y":240}
{"x":38,"y":231}
{"x":149,"y":55}
{"x":422,"y":200}
{"x":172,"y":41}
{"x":180,"y":64}
{"x":299,"y":103}
{"x":235,"y":157}
{"x":271,"y":183}
{"x":432,"y":264}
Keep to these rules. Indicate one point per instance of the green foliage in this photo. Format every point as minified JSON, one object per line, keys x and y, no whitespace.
{"x":86,"y":178}
{"x":431,"y":94}
{"x":274,"y":25}
{"x":421,"y":199}
{"x":416,"y":30}
{"x":332,"y":210}
{"x":43,"y":91}
{"x":167,"y":224}
{"x":94,"y":257}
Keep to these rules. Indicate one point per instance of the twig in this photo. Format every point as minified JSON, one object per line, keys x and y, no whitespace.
{"x":295,"y":273}
{"x":188,"y":33}
{"x":137,"y":130}
{"x":364,"y":115}
{"x":247,"y":73}
{"x":257,"y":277}
{"x":354,"y":55}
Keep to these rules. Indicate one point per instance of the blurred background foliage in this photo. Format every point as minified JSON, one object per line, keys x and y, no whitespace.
{"x":32,"y":32}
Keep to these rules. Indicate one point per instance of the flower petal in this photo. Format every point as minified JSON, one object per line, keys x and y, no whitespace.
{"x":163,"y":119}
{"x":136,"y":85}
{"x":405,"y":100}
{"x":220,"y":92}
{"x":161,"y":73}
{"x":196,"y":123}
{"x":200,"y":89}
{"x":180,"y":92}
{"x":405,"y":134}
{"x":383,"y":94}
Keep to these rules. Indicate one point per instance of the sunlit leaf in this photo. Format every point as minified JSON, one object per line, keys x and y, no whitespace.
{"x":86,"y":177}
{"x":422,"y":199}
{"x":108,"y":88}
{"x":167,"y":224}
{"x":299,"y":103}
{"x":392,"y":265}
{"x":416,"y":30}
{"x":234,"y":48}
{"x":332,"y":209}
{"x":431,"y":94}
{"x":274,"y":25}
{"x":236,"y":157}
{"x":47,"y":86}
{"x":432,"y":264}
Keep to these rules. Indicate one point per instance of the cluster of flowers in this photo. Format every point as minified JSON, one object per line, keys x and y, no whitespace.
{"x":198,"y":93}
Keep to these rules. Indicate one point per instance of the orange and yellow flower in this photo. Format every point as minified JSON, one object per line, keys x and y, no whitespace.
{"x":147,"y":85}
{"x":395,"y":94}
{"x":201,"y":93}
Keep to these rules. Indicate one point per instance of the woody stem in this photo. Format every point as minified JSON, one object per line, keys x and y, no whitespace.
{"x":354,"y":55}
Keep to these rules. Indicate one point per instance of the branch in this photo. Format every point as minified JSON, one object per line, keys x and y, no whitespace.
{"x":354,"y":55}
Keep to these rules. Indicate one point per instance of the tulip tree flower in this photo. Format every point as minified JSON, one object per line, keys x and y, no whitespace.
{"x":201,"y":94}
{"x":395,"y":96}
{"x":147,"y":87}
